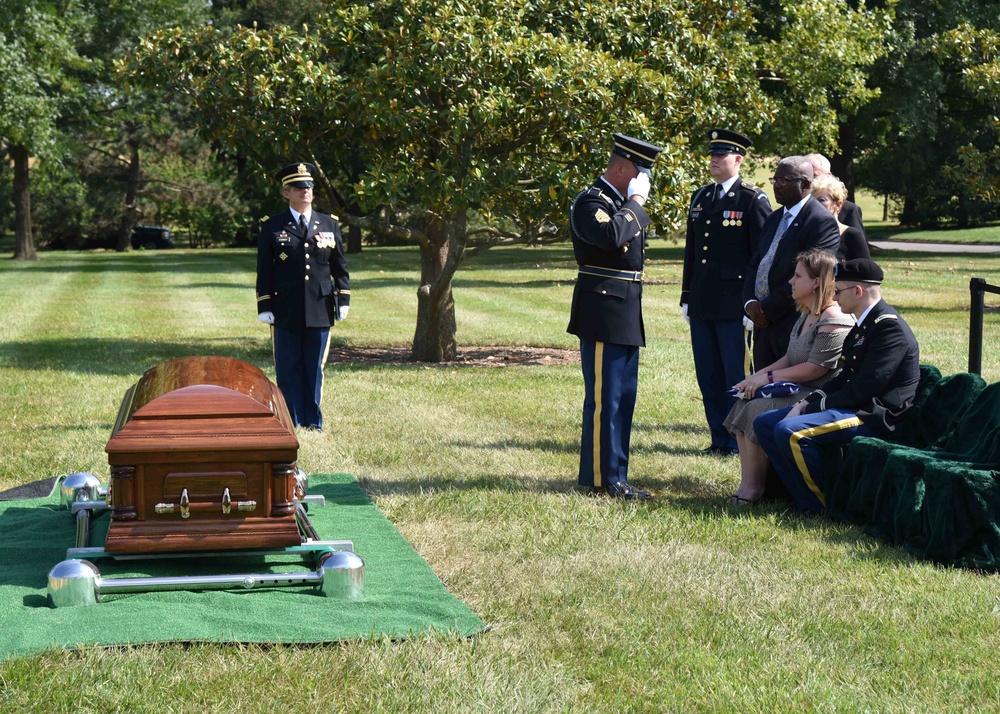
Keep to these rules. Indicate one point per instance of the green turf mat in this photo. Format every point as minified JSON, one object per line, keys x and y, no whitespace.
{"x":402,"y":595}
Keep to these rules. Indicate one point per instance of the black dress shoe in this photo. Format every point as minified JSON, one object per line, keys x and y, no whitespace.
{"x":625,"y":491}
{"x":715,"y":450}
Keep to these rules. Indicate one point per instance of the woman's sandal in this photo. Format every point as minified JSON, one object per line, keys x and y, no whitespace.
{"x":735,"y":500}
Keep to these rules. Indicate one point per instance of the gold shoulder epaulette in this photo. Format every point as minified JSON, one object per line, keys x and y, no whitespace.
{"x":885,"y":317}
{"x":264,"y":219}
{"x":752,"y":187}
{"x":336,"y":218}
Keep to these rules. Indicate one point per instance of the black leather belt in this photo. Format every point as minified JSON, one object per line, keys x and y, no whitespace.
{"x":633,"y":276}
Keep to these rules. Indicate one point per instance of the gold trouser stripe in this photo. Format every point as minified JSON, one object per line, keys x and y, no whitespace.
{"x":274,"y":354}
{"x":598,"y":388}
{"x":816,"y":431}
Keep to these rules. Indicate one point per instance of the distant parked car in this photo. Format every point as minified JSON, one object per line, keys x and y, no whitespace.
{"x":151,"y":237}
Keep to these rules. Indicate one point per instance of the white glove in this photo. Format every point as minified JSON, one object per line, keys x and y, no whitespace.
{"x":342,"y":312}
{"x":747,"y":324}
{"x":684,"y":312}
{"x":644,"y":170}
{"x":266,"y":317}
{"x":639,"y":186}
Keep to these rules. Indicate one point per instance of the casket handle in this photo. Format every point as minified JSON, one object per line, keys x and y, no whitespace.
{"x":185,"y":506}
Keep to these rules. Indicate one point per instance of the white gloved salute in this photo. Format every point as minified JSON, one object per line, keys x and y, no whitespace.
{"x":342,"y":312}
{"x":266,"y":317}
{"x":638,"y":188}
{"x":684,"y":312}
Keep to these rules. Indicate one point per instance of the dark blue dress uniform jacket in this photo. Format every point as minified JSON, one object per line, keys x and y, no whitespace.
{"x":608,"y":233}
{"x":722,"y":236}
{"x":880,"y":369}
{"x":301,"y":278}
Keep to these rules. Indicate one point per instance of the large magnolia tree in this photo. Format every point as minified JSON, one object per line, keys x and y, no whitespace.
{"x":460,"y":129}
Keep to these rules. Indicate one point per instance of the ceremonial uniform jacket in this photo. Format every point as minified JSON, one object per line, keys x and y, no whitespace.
{"x":609,"y":242}
{"x":301,"y":278}
{"x":813,"y":227}
{"x":722,"y":235}
{"x":880,"y":369}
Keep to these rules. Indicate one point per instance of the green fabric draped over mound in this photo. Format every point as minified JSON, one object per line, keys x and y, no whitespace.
{"x":934,"y":487}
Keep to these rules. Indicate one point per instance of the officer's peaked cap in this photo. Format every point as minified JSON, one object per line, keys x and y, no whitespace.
{"x":723,"y":141}
{"x":637,"y":151}
{"x":299,"y":175}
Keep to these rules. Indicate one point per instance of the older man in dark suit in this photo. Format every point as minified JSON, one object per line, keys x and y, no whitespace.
{"x":850,"y":212}
{"x":802,"y":223}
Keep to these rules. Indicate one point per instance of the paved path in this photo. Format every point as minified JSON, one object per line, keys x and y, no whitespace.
{"x":935,"y":247}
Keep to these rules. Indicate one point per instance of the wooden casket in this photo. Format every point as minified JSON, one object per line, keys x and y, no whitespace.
{"x":202,"y":457}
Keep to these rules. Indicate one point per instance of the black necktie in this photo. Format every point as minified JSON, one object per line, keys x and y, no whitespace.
{"x":302,"y":224}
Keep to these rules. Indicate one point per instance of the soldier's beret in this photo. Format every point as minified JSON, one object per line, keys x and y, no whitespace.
{"x":299,"y":175}
{"x":637,"y":151}
{"x":724,"y":141}
{"x":859,"y":270}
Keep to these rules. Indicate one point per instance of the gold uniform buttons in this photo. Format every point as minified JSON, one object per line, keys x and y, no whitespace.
{"x":703,"y":261}
{"x":307,"y":277}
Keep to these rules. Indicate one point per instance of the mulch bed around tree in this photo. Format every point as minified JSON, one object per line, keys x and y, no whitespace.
{"x":499,"y":356}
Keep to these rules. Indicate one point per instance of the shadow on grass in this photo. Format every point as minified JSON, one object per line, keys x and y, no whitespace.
{"x":95,"y":355}
{"x":144,"y":262}
{"x":787,"y":517}
{"x":487,"y":484}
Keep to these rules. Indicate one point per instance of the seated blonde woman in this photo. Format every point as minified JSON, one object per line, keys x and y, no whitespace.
{"x":831,"y":192}
{"x":812,"y":358}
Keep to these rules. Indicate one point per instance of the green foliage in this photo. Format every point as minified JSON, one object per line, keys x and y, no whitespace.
{"x":932,"y":113}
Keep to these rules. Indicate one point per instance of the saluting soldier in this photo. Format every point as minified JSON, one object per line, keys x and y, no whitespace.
{"x":724,"y":223}
{"x":608,"y":228}
{"x":303,"y":287}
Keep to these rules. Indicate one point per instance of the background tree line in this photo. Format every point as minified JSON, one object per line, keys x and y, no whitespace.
{"x":456,"y":129}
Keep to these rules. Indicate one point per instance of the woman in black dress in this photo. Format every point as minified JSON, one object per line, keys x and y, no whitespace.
{"x":831,"y":192}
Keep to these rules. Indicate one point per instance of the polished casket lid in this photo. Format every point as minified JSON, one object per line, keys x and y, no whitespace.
{"x":209,"y":402}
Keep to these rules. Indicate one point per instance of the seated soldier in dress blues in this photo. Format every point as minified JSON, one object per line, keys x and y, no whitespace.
{"x":880,"y":369}
{"x":303,"y":287}
{"x":608,"y":228}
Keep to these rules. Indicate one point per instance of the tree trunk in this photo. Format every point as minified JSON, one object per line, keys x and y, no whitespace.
{"x":434,"y":338}
{"x":24,"y":243}
{"x":354,"y":232}
{"x":131,"y":215}
{"x":842,"y":164}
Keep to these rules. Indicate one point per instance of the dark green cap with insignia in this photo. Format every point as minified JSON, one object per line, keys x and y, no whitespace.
{"x":637,"y":151}
{"x":299,"y":175}
{"x":724,"y":141}
{"x":858,"y":270}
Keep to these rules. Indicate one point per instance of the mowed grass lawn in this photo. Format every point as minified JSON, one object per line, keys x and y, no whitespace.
{"x":681,"y":604}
